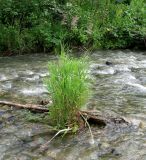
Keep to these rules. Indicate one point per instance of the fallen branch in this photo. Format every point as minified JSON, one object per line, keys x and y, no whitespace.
{"x":92,"y":117}
{"x":32,"y":107}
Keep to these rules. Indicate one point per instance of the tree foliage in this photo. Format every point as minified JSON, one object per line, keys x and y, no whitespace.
{"x":40,"y":25}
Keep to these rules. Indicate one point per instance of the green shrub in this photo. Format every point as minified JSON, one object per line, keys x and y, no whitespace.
{"x":40,"y":26}
{"x":69,"y":89}
{"x":9,"y":39}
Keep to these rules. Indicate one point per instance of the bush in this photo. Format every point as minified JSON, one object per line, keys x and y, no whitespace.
{"x":69,"y":89}
{"x":125,"y":25}
{"x":40,"y":26}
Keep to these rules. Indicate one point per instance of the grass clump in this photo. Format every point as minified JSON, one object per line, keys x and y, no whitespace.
{"x":69,"y":89}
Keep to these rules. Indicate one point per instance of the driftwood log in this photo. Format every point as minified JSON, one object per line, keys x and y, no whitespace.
{"x":93,"y":117}
{"x":32,"y":107}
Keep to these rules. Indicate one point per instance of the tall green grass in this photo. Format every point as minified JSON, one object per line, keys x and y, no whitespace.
{"x":68,"y":85}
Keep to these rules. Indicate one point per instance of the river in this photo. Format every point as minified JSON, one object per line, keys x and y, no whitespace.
{"x":118,"y":89}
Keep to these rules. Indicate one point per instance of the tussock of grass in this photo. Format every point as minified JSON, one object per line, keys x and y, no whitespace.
{"x":69,"y":88}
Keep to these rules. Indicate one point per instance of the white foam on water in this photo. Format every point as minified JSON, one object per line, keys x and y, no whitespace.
{"x":105,"y":72}
{"x":142,"y":64}
{"x":125,"y":79}
{"x":26,"y":72}
{"x":34,"y":91}
{"x":43,"y":74}
{"x":138,"y":86}
{"x":34,"y":78}
{"x":3,"y":77}
{"x":124,"y":68}
{"x":96,"y":66}
{"x":7,"y":86}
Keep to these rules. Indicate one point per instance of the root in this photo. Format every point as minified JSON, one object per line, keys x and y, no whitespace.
{"x":45,"y":146}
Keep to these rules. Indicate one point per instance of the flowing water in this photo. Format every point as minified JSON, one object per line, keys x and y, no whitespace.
{"x":119,"y":88}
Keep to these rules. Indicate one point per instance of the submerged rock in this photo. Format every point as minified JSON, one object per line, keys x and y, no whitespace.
{"x":108,"y":63}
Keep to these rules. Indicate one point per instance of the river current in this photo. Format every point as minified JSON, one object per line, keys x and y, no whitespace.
{"x":119,"y":88}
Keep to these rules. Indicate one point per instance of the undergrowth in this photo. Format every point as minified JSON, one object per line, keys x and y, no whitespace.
{"x":40,"y":26}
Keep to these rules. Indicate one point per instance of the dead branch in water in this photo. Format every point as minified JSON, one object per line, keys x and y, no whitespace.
{"x":90,"y":116}
{"x":32,"y":107}
{"x":93,"y":117}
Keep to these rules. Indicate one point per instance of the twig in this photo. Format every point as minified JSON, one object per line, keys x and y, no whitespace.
{"x":92,"y":137}
{"x":44,"y":146}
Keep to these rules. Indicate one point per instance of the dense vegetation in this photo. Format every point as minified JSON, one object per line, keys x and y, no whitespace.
{"x":68,"y":85}
{"x":40,"y":25}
